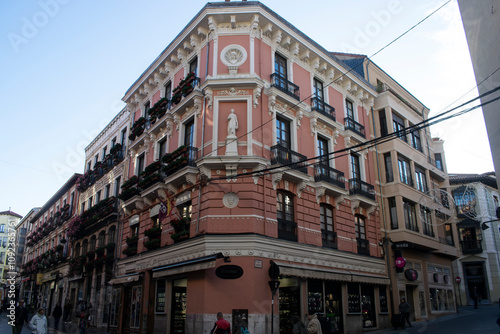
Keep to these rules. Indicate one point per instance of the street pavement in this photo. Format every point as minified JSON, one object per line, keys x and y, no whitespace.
{"x":71,"y":328}
{"x":468,"y":320}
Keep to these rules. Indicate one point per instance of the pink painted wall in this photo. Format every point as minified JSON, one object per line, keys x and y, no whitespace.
{"x":242,"y":40}
{"x":263,"y":56}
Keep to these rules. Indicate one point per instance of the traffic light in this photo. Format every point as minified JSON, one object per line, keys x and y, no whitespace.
{"x":399,"y":261}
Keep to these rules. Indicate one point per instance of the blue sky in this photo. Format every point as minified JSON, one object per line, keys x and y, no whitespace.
{"x":65,"y":65}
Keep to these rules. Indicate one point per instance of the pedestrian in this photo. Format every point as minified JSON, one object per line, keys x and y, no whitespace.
{"x":57,"y":313}
{"x":404,"y":309}
{"x":21,"y":318}
{"x":39,"y":322}
{"x":221,"y":326}
{"x":313,"y":326}
{"x":475,"y":296}
{"x":67,"y":310}
{"x":297,"y":325}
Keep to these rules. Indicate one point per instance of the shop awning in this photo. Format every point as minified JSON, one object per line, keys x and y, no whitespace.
{"x":307,"y":271}
{"x":125,"y":279}
{"x":200,"y":263}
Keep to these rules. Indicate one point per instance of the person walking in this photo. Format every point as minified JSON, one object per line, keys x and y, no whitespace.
{"x":313,"y":326}
{"x":39,"y":322}
{"x":21,"y":318}
{"x":57,"y":313}
{"x":298,"y":326}
{"x":67,"y":310}
{"x":221,"y":326}
{"x":404,"y":309}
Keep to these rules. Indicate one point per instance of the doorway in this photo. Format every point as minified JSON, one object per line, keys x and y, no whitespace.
{"x":475,"y":279}
{"x":410,"y":299}
{"x":179,"y":296}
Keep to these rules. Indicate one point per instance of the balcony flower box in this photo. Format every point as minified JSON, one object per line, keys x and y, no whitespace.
{"x":187,"y":89}
{"x":100,"y":251}
{"x":180,"y":224}
{"x":152,"y":244}
{"x":110,"y":247}
{"x":132,"y":240}
{"x":153,"y":232}
{"x":99,"y":261}
{"x":89,"y":266}
{"x":129,"y":251}
{"x":148,"y":181}
{"x":90,"y":255}
{"x":128,"y":193}
{"x":115,"y":149}
{"x":130,"y":182}
{"x":151,"y":168}
{"x":179,"y":236}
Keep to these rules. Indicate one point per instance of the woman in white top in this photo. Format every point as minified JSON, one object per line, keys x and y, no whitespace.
{"x":39,"y":322}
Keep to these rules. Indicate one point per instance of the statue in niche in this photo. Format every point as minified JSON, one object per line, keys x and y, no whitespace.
{"x":232,"y":124}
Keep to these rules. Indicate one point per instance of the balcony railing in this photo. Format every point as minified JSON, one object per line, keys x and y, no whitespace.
{"x":351,"y":124}
{"x":471,"y":246}
{"x":329,"y":239}
{"x":329,"y":175}
{"x":285,"y":156}
{"x":363,"y":246}
{"x":358,"y":187}
{"x":183,"y":159}
{"x":287,"y":230}
{"x":323,"y":108}
{"x":285,"y":86}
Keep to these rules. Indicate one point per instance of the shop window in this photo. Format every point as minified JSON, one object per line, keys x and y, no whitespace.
{"x":289,"y":298}
{"x":333,"y":306}
{"x":383,"y":299}
{"x":314,"y":296}
{"x":115,"y":306}
{"x":368,"y":306}
{"x":353,"y":298}
{"x":135,"y":307}
{"x":160,"y":296}
{"x":179,"y":296}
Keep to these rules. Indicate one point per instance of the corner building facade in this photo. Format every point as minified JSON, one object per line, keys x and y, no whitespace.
{"x":222,"y":124}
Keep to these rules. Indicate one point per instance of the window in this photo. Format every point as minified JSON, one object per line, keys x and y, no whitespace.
{"x":111,"y":234}
{"x":327,"y":226}
{"x":147,"y":106}
{"x":160,"y":296}
{"x":355,"y":169}
{"x":425,"y":214}
{"x":89,"y":203}
{"x":85,"y":246}
{"x":134,"y":230}
{"x":101,"y":239}
{"x":465,"y":201}
{"x":449,"y":235}
{"x":405,"y":171}
{"x":96,"y":159}
{"x":393,"y":212}
{"x":113,"y":142}
{"x":168,"y":90}
{"x":415,"y":139}
{"x":2,"y":228}
{"x":104,"y":150}
{"x":117,"y":186}
{"x":92,"y":243}
{"x":287,"y":228}
{"x":318,"y":89}
{"x":389,"y":175}
{"x":349,"y":109}
{"x":162,"y":148}
{"x":107,"y":190}
{"x":283,"y":133}
{"x":383,"y":123}
{"x":439,"y":160}
{"x":98,"y":197}
{"x":420,"y":179}
{"x":185,"y":209}
{"x":189,"y":133}
{"x":398,"y":125}
{"x":140,"y":164}
{"x":193,"y":66}
{"x":410,"y":215}
{"x":89,"y":165}
{"x":280,"y":67}
{"x":359,"y":227}
{"x":124,"y":134}
{"x":323,"y":151}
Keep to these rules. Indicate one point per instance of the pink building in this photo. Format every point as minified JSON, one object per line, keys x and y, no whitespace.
{"x":252,"y":130}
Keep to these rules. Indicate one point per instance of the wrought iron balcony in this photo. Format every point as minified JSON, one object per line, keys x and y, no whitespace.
{"x":363,"y":246}
{"x":358,"y":187}
{"x":471,"y":246}
{"x":285,"y":156}
{"x":287,"y":230}
{"x":285,"y":86}
{"x":329,"y":239}
{"x":351,"y":124}
{"x":323,"y":108}
{"x":329,"y":175}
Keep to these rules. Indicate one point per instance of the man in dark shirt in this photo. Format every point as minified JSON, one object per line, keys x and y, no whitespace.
{"x":404,"y":309}
{"x":21,"y":318}
{"x":221,"y":326}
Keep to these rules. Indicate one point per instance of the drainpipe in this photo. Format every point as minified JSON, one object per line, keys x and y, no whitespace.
{"x":385,"y":242}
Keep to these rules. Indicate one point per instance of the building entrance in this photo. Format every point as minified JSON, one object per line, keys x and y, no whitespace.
{"x":289,"y":303}
{"x":475,"y":279}
{"x":178,"y":307}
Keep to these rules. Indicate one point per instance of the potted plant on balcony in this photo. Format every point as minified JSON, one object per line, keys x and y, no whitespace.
{"x":177,"y":97}
{"x":129,"y":251}
{"x":187,"y":89}
{"x":152,"y":243}
{"x":153,"y":232}
{"x":90,"y":255}
{"x":110,"y":247}
{"x":181,"y":235}
{"x":132,"y":240}
{"x":179,"y":224}
{"x":100,"y":251}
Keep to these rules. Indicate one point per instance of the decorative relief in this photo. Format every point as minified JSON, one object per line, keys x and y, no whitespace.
{"x":233,"y":55}
{"x":177,"y":122}
{"x":209,"y":95}
{"x":314,"y":125}
{"x":230,"y":200}
{"x":232,"y":92}
{"x":256,"y":95}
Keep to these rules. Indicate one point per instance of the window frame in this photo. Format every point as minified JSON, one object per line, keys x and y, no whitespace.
{"x":283,"y":128}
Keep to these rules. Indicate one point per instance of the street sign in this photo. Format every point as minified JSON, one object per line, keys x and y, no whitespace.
{"x":458,"y":279}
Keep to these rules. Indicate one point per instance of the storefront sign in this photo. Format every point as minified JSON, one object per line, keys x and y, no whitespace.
{"x":411,"y":274}
{"x":229,"y":272}
{"x":458,"y":279}
{"x":400,"y":262}
{"x":397,"y":245}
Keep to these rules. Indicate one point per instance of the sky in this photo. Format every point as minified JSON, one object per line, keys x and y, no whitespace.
{"x":65,"y":66}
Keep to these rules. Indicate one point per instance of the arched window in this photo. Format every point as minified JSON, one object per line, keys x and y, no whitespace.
{"x":101,"y":239}
{"x":92,"y":242}
{"x":85,"y":246}
{"x":112,"y":234}
{"x":77,"y":249}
